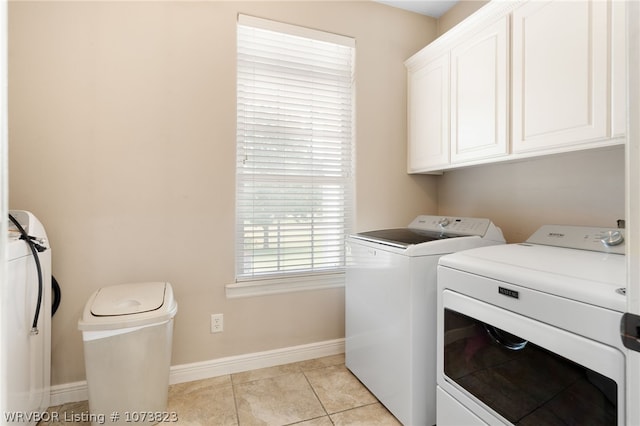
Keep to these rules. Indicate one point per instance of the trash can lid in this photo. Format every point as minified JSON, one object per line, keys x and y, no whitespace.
{"x":127,"y":299}
{"x":128,"y":305}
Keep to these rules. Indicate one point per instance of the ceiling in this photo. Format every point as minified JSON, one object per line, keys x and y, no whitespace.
{"x":433,"y":8}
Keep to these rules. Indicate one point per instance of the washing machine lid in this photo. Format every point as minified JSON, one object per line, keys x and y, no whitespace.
{"x":402,"y":237}
{"x":128,"y":299}
{"x":429,"y":229}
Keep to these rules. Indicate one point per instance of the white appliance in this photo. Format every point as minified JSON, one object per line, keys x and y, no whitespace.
{"x":530,"y":333}
{"x":27,"y":324}
{"x":391,"y":308}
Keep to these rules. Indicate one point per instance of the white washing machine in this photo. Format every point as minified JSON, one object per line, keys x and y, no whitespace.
{"x":27,"y":322}
{"x":530,"y":333}
{"x":390,"y":298}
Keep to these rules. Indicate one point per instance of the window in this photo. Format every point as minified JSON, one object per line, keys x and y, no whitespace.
{"x":294,"y":178}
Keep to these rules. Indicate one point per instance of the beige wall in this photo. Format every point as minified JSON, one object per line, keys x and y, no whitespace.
{"x":122,"y":141}
{"x":457,"y":13}
{"x":581,"y":188}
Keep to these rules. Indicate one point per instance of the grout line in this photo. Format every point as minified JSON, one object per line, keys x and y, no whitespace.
{"x":235,"y":399}
{"x":316,"y":395}
{"x":308,"y":420}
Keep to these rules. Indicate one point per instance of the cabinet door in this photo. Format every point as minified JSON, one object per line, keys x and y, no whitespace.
{"x":428,"y":112}
{"x":560,"y":84}
{"x":479,"y":94}
{"x":618,"y":69}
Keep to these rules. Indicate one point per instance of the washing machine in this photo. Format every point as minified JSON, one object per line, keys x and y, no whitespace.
{"x":390,"y":300}
{"x":27,"y":320}
{"x":530,"y":333}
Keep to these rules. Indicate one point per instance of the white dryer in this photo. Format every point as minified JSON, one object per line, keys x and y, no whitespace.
{"x":391,"y":308}
{"x":530,"y":333}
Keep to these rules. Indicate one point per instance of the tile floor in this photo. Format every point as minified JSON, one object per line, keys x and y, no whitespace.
{"x":318,"y":392}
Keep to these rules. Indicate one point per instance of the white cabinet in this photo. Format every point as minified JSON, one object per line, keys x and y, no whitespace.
{"x":428,"y":112}
{"x":480,"y":95}
{"x":458,"y":101}
{"x":560,"y":74}
{"x":519,"y":79}
{"x":618,"y":69}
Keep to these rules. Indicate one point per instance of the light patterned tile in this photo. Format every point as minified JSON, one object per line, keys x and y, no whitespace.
{"x":280,"y":400}
{"x":320,"y":421}
{"x":326,"y":361}
{"x":369,"y":415}
{"x":338,"y":389}
{"x":74,"y":413}
{"x":197,"y":385}
{"x":264,"y":373}
{"x":204,"y":402}
{"x":282,"y":395}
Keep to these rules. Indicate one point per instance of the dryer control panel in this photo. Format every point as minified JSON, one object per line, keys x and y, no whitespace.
{"x":606,"y":240}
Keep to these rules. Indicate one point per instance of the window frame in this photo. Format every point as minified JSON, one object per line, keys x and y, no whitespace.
{"x":279,"y":282}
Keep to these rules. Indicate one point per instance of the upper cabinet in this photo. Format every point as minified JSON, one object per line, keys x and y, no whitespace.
{"x":480,"y":94}
{"x":428,"y":114}
{"x":518,"y":79}
{"x":618,"y":69}
{"x":559,"y":74}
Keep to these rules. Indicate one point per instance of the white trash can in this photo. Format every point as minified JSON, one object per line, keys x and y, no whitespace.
{"x":127,"y":332}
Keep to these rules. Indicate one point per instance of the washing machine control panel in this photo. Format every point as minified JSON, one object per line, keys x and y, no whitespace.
{"x":451,"y":224}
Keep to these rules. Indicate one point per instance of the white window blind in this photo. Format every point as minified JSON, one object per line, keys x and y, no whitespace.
{"x":294,"y":185}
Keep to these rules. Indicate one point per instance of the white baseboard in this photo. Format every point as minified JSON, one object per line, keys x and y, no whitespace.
{"x":68,"y":392}
{"x":246,"y":362}
{"x":77,"y":391}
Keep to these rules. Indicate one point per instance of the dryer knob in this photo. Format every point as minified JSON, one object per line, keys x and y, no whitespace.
{"x":612,"y":238}
{"x":443,"y":222}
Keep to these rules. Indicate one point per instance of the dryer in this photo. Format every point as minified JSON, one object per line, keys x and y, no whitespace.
{"x":390,"y":298}
{"x":530,"y":333}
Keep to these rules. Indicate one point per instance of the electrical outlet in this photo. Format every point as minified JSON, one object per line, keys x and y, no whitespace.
{"x":217,"y":323}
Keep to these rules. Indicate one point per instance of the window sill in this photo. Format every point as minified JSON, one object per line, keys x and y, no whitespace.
{"x":284,"y":285}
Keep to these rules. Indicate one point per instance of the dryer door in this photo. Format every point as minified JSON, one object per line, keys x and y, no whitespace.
{"x":527,"y":372}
